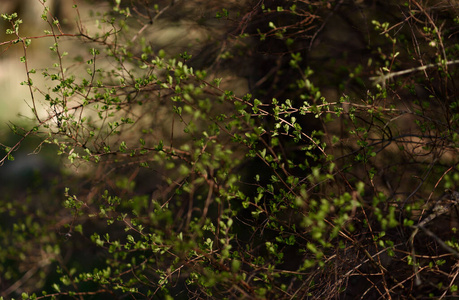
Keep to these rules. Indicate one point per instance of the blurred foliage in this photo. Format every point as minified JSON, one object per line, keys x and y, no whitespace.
{"x":254,"y":150}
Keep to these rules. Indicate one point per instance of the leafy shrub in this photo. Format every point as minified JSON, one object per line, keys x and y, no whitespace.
{"x":310,"y":183}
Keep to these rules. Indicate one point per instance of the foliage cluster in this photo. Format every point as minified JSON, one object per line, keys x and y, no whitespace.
{"x":310,"y":183}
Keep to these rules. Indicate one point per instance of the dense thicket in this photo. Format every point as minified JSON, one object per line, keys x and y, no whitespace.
{"x":237,"y":149}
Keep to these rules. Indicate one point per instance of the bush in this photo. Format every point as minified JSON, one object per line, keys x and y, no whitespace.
{"x":277,"y":149}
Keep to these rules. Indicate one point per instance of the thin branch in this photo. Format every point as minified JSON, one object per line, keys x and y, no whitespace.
{"x":382,"y":78}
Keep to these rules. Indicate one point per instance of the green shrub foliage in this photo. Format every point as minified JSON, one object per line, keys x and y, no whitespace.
{"x":235,"y":150}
